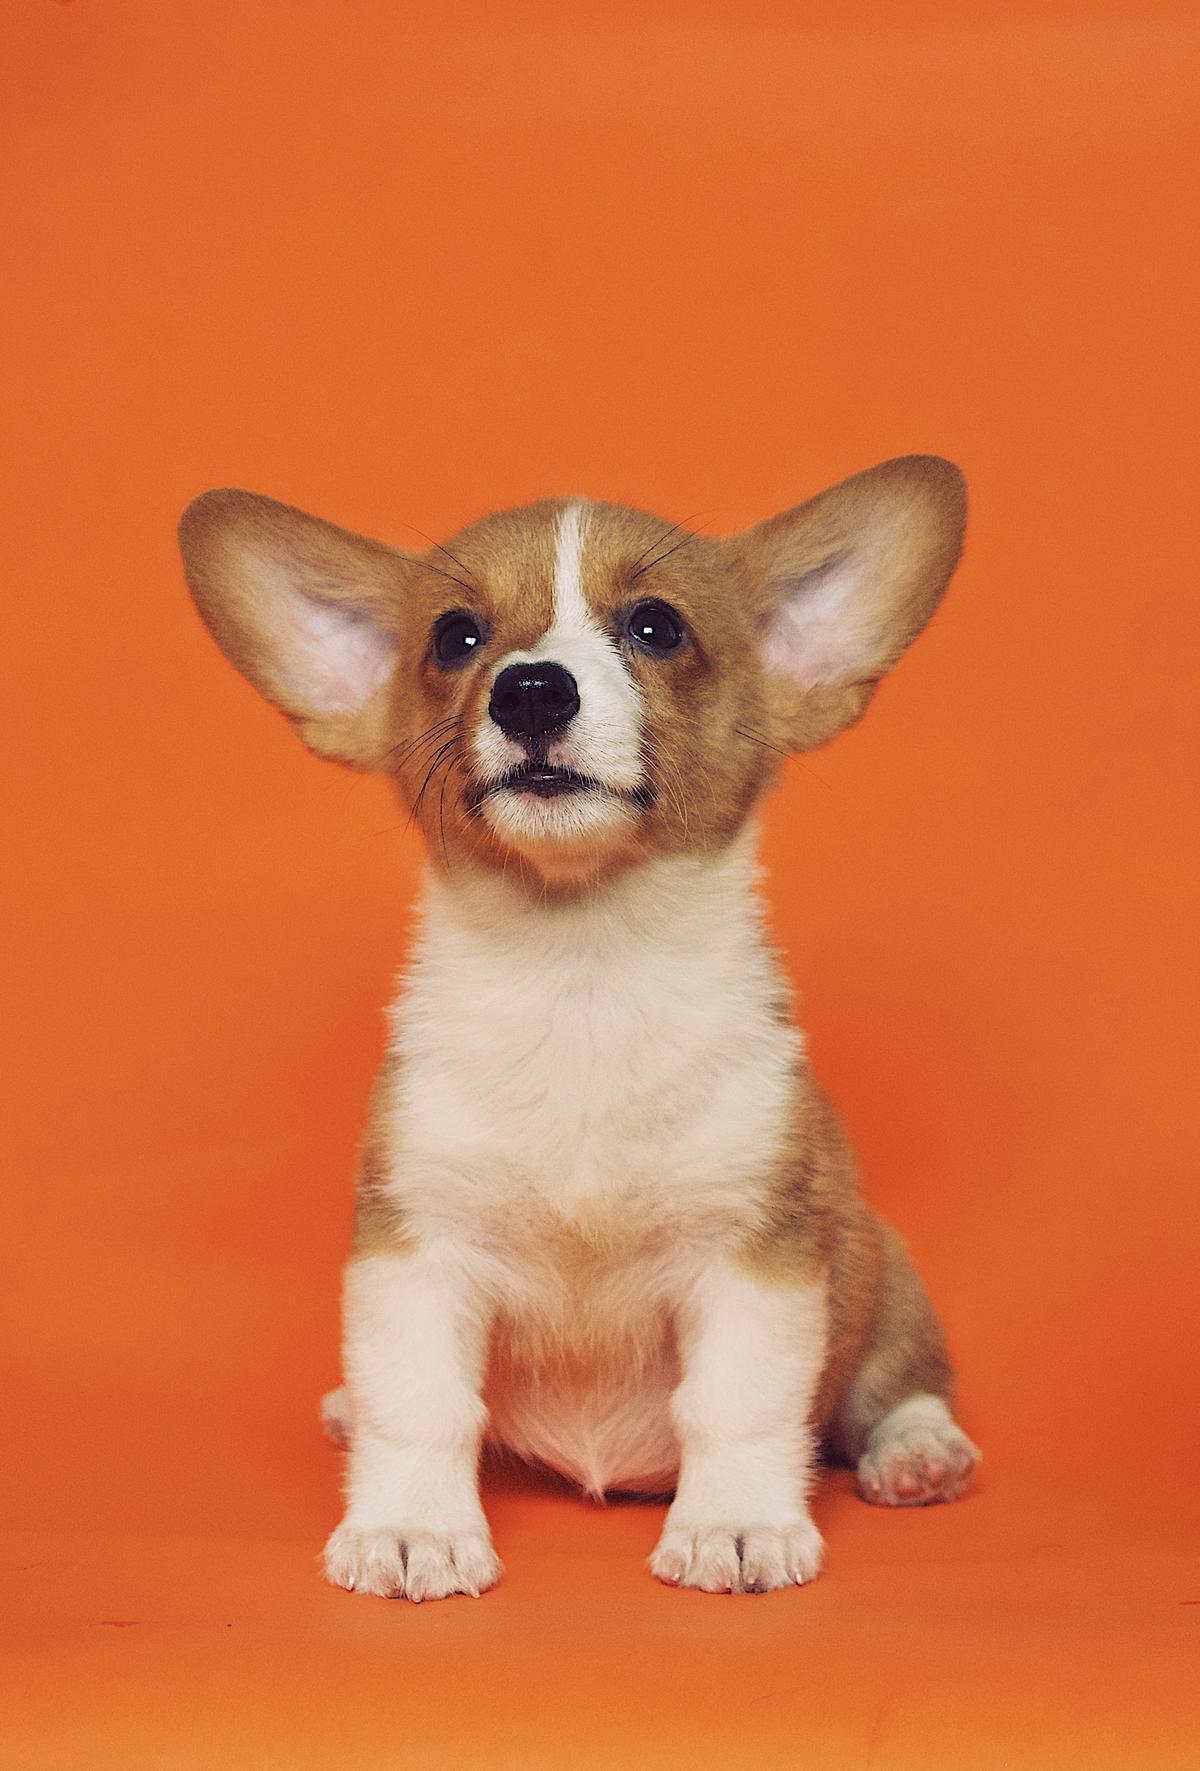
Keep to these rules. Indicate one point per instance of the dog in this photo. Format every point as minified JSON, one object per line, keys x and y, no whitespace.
{"x":605,"y":1218}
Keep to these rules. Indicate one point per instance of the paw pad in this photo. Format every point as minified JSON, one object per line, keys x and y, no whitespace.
{"x":916,"y":1465}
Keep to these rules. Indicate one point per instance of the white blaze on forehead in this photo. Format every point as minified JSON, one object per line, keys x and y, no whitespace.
{"x":604,"y":738}
{"x":570,"y":609}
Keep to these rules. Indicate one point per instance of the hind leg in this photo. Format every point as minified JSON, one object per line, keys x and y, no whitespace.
{"x":894,"y":1421}
{"x":916,"y":1455}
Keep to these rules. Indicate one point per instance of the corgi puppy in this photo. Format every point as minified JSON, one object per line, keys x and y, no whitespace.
{"x":605,"y":1217}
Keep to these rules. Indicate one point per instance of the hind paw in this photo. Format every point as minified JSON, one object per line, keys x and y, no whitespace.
{"x":916,"y":1456}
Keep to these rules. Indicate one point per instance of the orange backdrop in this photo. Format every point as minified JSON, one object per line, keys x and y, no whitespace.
{"x":398,"y":264}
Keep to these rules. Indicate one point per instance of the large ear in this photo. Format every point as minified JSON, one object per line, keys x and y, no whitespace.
{"x":308,"y":612}
{"x":843,"y":584}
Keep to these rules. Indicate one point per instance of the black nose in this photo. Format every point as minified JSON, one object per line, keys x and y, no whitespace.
{"x":529,"y":700}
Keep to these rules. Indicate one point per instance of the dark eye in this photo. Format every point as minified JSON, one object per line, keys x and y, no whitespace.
{"x":456,"y":636}
{"x":656,"y":627}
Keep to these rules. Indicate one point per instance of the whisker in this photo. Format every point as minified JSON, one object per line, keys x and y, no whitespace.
{"x":665,"y":555}
{"x":454,"y":763}
{"x":464,"y":569}
{"x":757,"y":738}
{"x":408,"y":747}
{"x":671,"y":787}
{"x":452,"y":577}
{"x":657,"y":542}
{"x":672,"y":781}
{"x":427,"y":751}
{"x":787,"y":755}
{"x":445,"y":750}
{"x":672,"y":529}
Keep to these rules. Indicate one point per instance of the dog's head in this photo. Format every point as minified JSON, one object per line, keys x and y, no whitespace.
{"x":579,"y":685}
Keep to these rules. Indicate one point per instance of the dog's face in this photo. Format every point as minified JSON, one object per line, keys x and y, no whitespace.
{"x":578,"y":685}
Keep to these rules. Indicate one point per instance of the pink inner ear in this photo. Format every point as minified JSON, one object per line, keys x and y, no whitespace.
{"x":352,"y":657}
{"x":815,"y":634}
{"x":330,"y":657}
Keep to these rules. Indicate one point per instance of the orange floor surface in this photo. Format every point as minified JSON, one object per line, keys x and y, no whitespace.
{"x":399,"y":263}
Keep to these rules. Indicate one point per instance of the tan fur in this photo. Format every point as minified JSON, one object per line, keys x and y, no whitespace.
{"x":903,"y":1352}
{"x":884,"y":1339}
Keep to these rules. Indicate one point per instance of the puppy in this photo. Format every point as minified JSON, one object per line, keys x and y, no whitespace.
{"x":605,"y":1217}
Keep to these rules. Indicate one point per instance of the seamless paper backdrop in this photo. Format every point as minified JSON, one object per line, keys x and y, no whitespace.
{"x":403,"y":263}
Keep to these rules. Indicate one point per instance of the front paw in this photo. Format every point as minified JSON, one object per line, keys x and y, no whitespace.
{"x":728,"y":1559}
{"x":400,"y":1563}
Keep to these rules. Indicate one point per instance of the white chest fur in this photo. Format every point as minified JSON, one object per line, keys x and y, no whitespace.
{"x":611,"y":1070}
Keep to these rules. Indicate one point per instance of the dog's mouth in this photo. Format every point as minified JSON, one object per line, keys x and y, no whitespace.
{"x":546,"y":781}
{"x":543,"y":780}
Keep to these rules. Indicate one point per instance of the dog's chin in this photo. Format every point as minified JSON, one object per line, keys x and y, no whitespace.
{"x":564,"y":829}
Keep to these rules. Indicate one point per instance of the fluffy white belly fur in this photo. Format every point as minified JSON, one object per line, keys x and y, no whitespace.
{"x":602,"y":1422}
